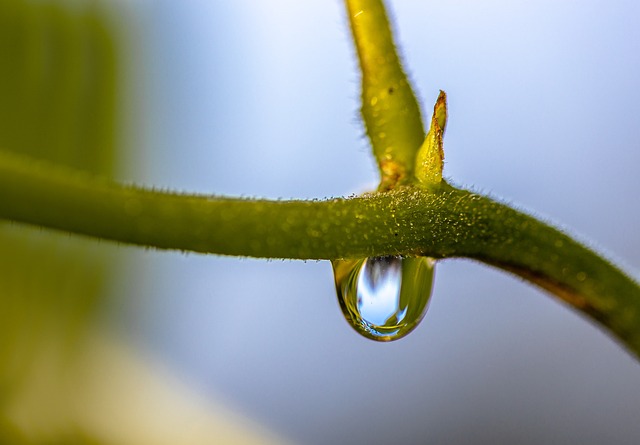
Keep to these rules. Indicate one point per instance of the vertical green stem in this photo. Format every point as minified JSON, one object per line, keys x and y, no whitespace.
{"x":389,"y":107}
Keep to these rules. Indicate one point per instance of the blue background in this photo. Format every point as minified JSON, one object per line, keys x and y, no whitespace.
{"x":260,"y":99}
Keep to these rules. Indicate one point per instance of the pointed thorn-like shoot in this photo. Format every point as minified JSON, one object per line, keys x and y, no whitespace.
{"x":440,"y":111}
{"x":430,"y":158}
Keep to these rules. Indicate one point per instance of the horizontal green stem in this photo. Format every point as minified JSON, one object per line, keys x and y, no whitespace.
{"x":442,"y":222}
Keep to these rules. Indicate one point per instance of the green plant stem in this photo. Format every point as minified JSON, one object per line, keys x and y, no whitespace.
{"x":390,"y":110}
{"x":442,"y":222}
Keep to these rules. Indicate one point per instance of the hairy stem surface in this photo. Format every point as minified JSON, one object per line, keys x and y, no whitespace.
{"x":441,"y":222}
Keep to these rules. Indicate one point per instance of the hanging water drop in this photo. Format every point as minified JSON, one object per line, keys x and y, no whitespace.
{"x":384,"y":298}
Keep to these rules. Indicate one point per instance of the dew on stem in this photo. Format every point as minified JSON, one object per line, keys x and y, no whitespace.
{"x":384,"y":298}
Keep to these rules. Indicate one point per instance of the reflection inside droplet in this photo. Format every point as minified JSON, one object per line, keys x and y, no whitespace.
{"x":384,"y":298}
{"x":378,"y":289}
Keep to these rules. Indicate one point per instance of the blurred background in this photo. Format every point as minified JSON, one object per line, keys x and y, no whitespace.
{"x":260,"y":99}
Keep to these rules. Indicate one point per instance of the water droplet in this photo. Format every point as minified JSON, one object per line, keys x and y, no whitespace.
{"x":384,"y":298}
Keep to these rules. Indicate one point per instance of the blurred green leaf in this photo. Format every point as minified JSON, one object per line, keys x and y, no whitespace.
{"x":58,"y":66}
